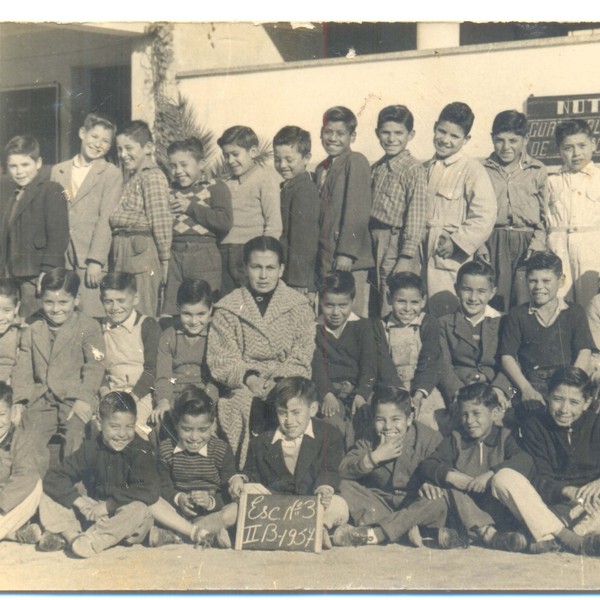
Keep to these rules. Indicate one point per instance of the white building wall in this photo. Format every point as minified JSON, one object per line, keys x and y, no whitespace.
{"x":490,"y":78}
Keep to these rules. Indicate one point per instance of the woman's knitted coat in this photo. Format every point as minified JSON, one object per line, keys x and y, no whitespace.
{"x":279,"y":344}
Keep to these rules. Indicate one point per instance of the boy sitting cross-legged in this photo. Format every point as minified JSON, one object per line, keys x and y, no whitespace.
{"x":301,"y":456}
{"x":379,"y":480}
{"x":120,"y":476}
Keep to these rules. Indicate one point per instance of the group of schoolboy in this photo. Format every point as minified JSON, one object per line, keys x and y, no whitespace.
{"x":83,"y":357}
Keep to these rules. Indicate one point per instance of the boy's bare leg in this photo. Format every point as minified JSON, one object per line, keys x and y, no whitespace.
{"x":165,"y":514}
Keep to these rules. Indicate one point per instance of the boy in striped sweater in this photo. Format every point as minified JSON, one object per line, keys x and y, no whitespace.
{"x":196,"y":468}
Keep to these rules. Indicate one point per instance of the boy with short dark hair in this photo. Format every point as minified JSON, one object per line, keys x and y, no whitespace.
{"x":345,"y":362}
{"x":203,"y":215}
{"x":300,"y":207}
{"x":92,"y":188}
{"x":119,"y":473}
{"x":486,"y":476}
{"x":462,"y":206}
{"x":520,"y":185}
{"x":59,"y":369}
{"x":35,"y":222}
{"x":20,"y":482}
{"x":573,"y":210}
{"x":142,"y":225}
{"x":301,"y":456}
{"x":255,"y":200}
{"x":470,"y":336}
{"x":131,"y":341}
{"x":399,"y":212}
{"x":344,"y":184}
{"x":545,"y":334}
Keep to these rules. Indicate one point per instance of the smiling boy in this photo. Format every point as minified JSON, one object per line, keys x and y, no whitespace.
{"x":142,"y":225}
{"x":544,"y":334}
{"x":399,"y":212}
{"x":93,"y":188}
{"x":461,"y":206}
{"x":574,"y":211}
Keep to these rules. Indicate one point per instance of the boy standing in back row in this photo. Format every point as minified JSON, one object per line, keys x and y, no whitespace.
{"x":344,"y":179}
{"x":92,"y":188}
{"x":461,"y":206}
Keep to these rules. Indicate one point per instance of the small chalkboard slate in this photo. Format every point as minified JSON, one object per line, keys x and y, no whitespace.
{"x":271,"y":522}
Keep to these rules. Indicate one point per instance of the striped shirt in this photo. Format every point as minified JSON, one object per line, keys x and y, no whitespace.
{"x":144,"y":206}
{"x":399,"y":187}
{"x":194,"y":471}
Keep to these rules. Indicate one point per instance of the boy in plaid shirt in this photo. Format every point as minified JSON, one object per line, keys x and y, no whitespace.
{"x":399,"y":213}
{"x":142,"y":224}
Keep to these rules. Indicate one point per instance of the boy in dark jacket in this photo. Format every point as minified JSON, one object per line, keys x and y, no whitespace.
{"x":120,"y":475}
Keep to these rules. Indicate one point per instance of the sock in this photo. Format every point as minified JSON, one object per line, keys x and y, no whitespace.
{"x":571,"y":540}
{"x":485,"y":533}
{"x":376,"y":535}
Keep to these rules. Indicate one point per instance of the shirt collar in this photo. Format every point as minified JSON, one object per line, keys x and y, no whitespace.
{"x":338,"y":332}
{"x":561,"y":305}
{"x":589,"y":169}
{"x":395,"y":162}
{"x":80,"y":164}
{"x":450,"y":160}
{"x":488,"y":313}
{"x":202,"y":452}
{"x":128,"y":324}
{"x":491,"y":439}
{"x":280,"y":436}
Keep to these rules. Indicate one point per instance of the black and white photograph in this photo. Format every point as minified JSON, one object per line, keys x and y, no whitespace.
{"x":299,"y":305}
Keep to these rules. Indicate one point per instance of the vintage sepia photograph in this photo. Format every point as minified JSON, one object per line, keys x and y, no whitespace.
{"x":299,"y":305}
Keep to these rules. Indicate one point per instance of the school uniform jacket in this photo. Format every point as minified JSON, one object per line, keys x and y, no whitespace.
{"x":464,"y":360}
{"x":345,"y":211}
{"x":90,"y":209}
{"x":318,"y":461}
{"x":117,"y":478}
{"x":71,"y":367}
{"x":397,"y":476}
{"x":35,"y":237}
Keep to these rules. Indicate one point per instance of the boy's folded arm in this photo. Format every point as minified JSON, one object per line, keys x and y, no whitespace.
{"x":24,"y":473}
{"x":449,"y":381}
{"x":435,"y":468}
{"x":22,"y":376}
{"x":60,"y":482}
{"x":224,"y":356}
{"x":358,"y":462}
{"x":218,"y":217}
{"x":416,"y":212}
{"x":331,"y":457}
{"x":481,"y":211}
{"x":155,"y":191}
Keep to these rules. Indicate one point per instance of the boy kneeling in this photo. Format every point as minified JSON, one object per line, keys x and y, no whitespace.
{"x":301,"y":456}
{"x":119,"y":472}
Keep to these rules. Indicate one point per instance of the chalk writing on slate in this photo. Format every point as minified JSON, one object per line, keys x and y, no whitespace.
{"x":278,"y":522}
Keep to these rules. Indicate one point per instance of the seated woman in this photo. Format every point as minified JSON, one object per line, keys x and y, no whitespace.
{"x":259,"y":334}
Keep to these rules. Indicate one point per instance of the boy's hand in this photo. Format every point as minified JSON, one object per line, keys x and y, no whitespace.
{"x":479,"y":484}
{"x":331,"y":405}
{"x":417,"y":400}
{"x":530,"y":394}
{"x":97,"y":512}
{"x":588,"y":496}
{"x":17,"y":413}
{"x":342,"y":263}
{"x":430,"y":491}
{"x":357,"y":403}
{"x":82,"y":410}
{"x":236,"y":487}
{"x":185,"y":503}
{"x":179,"y":205}
{"x":458,"y":480}
{"x":482,"y":253}
{"x":158,"y":414}
{"x":403,"y":264}
{"x":259,"y":386}
{"x":390,"y":447}
{"x":203,"y":499}
{"x":325,"y":494}
{"x":93,"y":275}
{"x":445,"y":246}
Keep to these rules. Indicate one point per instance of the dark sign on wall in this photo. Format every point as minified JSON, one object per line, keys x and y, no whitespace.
{"x":276,"y":522}
{"x":545,"y":112}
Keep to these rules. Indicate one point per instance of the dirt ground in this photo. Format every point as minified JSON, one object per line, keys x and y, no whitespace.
{"x":394,"y":567}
